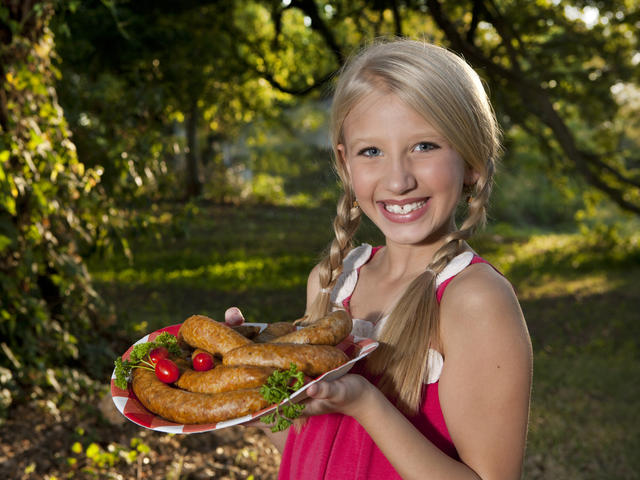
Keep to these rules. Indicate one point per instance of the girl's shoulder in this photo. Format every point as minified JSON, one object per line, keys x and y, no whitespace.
{"x":479,"y":281}
{"x":480,"y":301}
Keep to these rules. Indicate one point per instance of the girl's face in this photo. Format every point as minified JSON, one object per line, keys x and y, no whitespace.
{"x":406,"y":177}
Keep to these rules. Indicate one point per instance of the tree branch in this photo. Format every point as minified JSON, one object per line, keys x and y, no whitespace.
{"x":397,"y":19}
{"x":310,"y":9}
{"x":538,"y":104}
{"x":596,"y":160}
{"x":295,"y":91}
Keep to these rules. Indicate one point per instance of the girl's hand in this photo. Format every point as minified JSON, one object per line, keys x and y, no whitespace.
{"x":233,"y":316}
{"x":344,"y":395}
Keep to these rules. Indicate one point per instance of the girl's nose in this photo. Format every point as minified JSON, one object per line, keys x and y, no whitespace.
{"x":399,"y":176}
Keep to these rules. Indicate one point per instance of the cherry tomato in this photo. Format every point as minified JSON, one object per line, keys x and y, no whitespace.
{"x":158,"y":353}
{"x":202,"y":362}
{"x":167,"y":371}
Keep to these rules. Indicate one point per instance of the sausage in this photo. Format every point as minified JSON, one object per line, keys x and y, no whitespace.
{"x":249,"y":331}
{"x":275,"y":330}
{"x":328,"y":330}
{"x":313,"y":360}
{"x":187,"y":408}
{"x":224,"y":378}
{"x":214,"y":337}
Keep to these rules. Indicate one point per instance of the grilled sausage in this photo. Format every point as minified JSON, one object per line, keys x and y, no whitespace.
{"x":214,"y":337}
{"x":313,"y":360}
{"x":274,"y":330}
{"x":249,"y":331}
{"x":328,"y":330}
{"x":224,"y":378}
{"x":185,"y":407}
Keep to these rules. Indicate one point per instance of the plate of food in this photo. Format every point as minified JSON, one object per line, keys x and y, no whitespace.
{"x":203,"y":375}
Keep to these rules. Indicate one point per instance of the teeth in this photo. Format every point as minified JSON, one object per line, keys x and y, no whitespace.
{"x":404,"y":209}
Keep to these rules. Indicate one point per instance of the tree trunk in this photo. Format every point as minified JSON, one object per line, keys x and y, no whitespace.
{"x":193,"y":181}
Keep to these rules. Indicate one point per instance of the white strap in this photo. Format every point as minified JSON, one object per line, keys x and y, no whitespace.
{"x":346,"y":283}
{"x":454,"y":267}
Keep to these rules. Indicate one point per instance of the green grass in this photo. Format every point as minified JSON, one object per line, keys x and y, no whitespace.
{"x":580,"y":295}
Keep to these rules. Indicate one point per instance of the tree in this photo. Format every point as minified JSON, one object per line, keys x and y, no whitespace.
{"x":168,"y":64}
{"x":551,"y":72}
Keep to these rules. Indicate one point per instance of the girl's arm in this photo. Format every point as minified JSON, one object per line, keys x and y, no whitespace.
{"x":484,"y":389}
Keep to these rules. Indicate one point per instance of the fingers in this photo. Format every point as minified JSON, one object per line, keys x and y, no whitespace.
{"x":343,"y":395}
{"x":321,"y":390}
{"x":233,"y":316}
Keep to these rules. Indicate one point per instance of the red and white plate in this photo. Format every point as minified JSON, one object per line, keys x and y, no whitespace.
{"x":126,"y":402}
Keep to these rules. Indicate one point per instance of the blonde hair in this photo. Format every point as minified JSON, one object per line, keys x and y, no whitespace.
{"x":447,"y":92}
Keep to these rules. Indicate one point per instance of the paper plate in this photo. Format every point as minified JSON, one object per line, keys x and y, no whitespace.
{"x":126,"y":402}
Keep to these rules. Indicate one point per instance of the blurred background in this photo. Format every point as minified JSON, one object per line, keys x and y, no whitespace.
{"x":160,"y":159}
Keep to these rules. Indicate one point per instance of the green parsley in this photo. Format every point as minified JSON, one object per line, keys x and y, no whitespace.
{"x":277,"y":388}
{"x":139,"y":357}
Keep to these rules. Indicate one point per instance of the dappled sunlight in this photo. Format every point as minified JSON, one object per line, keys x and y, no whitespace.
{"x":555,"y":264}
{"x":550,"y":286}
{"x":257,"y":273}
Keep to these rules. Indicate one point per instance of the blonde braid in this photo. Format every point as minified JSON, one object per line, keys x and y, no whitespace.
{"x":413,"y":326}
{"x":345,"y":225}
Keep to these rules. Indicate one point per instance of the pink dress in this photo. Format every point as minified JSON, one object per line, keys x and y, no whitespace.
{"x":335,"y":446}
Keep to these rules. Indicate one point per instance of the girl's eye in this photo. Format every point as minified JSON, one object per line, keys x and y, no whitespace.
{"x":425,"y":147}
{"x":370,"y":152}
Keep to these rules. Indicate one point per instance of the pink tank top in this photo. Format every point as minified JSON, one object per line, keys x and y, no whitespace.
{"x":335,"y":446}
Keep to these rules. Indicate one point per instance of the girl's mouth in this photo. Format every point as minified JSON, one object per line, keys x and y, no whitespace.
{"x":404,"y":212}
{"x":404,"y":209}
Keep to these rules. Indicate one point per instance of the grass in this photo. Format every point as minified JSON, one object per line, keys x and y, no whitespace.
{"x":580,"y":295}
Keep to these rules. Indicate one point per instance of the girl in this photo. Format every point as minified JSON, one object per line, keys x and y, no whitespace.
{"x":446,"y":395}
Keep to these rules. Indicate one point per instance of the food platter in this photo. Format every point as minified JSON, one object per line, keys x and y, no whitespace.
{"x":126,"y":402}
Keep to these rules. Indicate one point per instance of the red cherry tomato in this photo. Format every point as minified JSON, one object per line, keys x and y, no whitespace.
{"x":167,"y":371}
{"x":158,"y":353}
{"x":202,"y":362}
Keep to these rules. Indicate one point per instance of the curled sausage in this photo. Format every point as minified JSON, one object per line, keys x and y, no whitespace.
{"x":214,"y":337}
{"x":275,"y":330}
{"x":185,"y":407}
{"x":313,"y":360}
{"x":328,"y":330}
{"x":224,"y":378}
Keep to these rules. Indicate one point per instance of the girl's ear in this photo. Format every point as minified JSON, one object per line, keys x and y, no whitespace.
{"x":471,"y":176}
{"x":342,"y":158}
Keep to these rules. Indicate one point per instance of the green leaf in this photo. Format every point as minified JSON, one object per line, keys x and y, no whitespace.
{"x":278,"y":387}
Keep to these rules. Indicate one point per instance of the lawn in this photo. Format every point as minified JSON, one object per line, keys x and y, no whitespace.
{"x":580,"y":294}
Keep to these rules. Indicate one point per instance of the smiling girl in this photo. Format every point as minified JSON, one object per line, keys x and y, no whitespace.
{"x":446,"y":395}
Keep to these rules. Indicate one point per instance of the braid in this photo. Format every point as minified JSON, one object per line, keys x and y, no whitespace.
{"x":345,"y":225}
{"x":401,"y":360}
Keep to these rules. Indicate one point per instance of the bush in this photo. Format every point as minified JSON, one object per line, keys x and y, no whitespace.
{"x":51,"y":210}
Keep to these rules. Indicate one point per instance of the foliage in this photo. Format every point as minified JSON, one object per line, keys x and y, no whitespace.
{"x":89,"y":458}
{"x":161,"y":103}
{"x":564,"y":73}
{"x":50,"y":210}
{"x":171,"y":100}
{"x":278,"y":388}
{"x":140,"y":355}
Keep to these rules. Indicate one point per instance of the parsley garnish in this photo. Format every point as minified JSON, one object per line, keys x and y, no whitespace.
{"x":138,"y":357}
{"x":279,"y":387}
